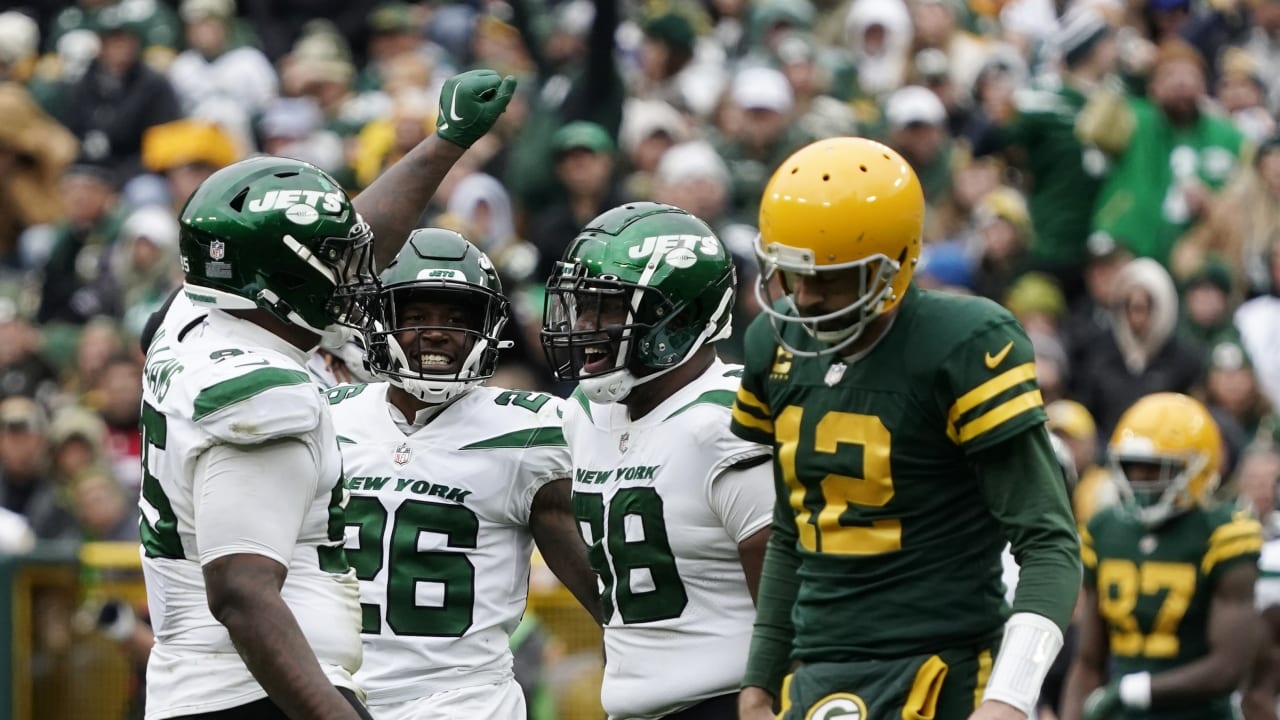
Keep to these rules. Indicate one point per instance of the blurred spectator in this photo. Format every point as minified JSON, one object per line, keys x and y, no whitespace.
{"x":584,"y":164}
{"x":25,"y":487}
{"x":1256,"y":476}
{"x":1037,"y":302}
{"x":665,"y":56}
{"x":1003,"y":235}
{"x":144,"y":264}
{"x":1064,"y":174}
{"x":1231,"y":387}
{"x":947,"y":266}
{"x":1090,"y":318}
{"x":118,"y":398}
{"x":102,"y":509}
{"x":1052,"y":371}
{"x":294,"y":127}
{"x":155,"y":24}
{"x":1070,"y":421}
{"x":395,"y":29}
{"x":756,"y":133}
{"x":214,"y":66}
{"x":482,"y":204}
{"x":97,"y":343}
{"x":185,"y":152}
{"x":1239,"y":225}
{"x":280,"y":23}
{"x":1242,"y":93}
{"x":918,"y":129}
{"x":76,"y":439}
{"x":118,"y":98}
{"x":1176,"y":158}
{"x":818,"y":114}
{"x":34,"y":152}
{"x":1206,"y":305}
{"x":23,"y":368}
{"x":649,"y":129}
{"x":319,"y":67}
{"x":1258,"y":321}
{"x":383,"y":141}
{"x":76,"y":280}
{"x":878,"y":35}
{"x":1142,"y":354}
{"x":1262,"y":41}
{"x":19,"y":46}
{"x":578,"y":79}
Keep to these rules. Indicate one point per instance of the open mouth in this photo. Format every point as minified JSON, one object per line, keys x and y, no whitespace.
{"x":597,"y":359}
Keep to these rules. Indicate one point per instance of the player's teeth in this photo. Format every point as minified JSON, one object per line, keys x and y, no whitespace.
{"x":434,"y":359}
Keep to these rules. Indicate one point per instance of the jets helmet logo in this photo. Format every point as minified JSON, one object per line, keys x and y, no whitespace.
{"x":402,"y":454}
{"x":838,"y":706}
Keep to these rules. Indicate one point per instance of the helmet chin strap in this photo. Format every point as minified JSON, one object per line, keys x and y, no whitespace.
{"x":433,"y":392}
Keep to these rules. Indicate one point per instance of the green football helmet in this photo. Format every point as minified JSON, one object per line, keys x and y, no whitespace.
{"x":437,"y":318}
{"x":281,"y":235}
{"x":639,"y":291}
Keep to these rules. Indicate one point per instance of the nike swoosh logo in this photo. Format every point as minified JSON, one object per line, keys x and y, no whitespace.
{"x":993,"y":361}
{"x":453,"y":104}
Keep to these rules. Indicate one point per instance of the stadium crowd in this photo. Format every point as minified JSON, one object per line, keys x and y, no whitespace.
{"x":1108,"y":170}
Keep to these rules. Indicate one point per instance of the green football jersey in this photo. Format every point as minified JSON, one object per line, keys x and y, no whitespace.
{"x":1155,"y":589}
{"x":899,"y":551}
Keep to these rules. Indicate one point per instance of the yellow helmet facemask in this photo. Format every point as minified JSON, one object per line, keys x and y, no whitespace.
{"x":1165,"y":456}
{"x":837,"y":205}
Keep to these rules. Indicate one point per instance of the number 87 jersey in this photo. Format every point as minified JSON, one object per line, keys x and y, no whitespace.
{"x":874,"y":458}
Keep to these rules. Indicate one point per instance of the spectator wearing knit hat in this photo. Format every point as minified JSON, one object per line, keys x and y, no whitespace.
{"x":1039,"y":133}
{"x":25,"y":487}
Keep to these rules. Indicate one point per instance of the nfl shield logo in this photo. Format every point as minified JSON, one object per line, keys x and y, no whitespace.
{"x":217,"y":249}
{"x":834,"y":373}
{"x":624,"y":442}
{"x":402,"y":454}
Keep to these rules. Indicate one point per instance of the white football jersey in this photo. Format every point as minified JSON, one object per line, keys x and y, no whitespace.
{"x":663,"y":537}
{"x":438,"y":531}
{"x":1267,"y":589}
{"x":210,"y":378}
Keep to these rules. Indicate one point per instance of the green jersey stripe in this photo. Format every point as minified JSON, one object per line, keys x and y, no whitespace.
{"x":529,"y":437}
{"x":238,"y":389}
{"x":581,"y":397}
{"x":723,"y":398}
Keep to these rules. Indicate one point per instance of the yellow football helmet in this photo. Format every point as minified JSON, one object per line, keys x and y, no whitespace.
{"x":839,"y":204}
{"x":1165,"y":456}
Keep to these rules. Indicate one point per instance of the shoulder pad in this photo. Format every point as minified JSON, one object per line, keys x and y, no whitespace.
{"x":256,"y":400}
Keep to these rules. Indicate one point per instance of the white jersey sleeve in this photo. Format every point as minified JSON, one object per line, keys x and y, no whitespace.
{"x":743,"y":499}
{"x":209,"y":381}
{"x":437,"y":529}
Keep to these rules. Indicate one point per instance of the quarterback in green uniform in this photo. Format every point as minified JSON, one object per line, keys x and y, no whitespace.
{"x":1168,"y":579}
{"x":909,"y":445}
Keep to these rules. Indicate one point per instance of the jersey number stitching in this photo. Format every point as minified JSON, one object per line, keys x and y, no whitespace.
{"x":1120,"y":582}
{"x":645,"y":560}
{"x":822,"y":507}
{"x":408,"y":567}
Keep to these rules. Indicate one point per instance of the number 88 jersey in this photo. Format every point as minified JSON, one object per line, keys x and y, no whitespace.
{"x":438,"y":532}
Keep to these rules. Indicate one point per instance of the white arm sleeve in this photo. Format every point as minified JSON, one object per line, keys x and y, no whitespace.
{"x":253,"y":499}
{"x":743,"y":499}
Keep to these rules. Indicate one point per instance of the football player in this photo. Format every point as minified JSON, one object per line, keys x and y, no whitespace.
{"x":254,"y":607}
{"x":1169,"y":577}
{"x":451,"y":483}
{"x":674,"y":508}
{"x":909,"y":444}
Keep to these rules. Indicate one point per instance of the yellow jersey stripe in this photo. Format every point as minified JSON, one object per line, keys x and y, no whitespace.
{"x":1088,"y":556}
{"x":1226,"y":551}
{"x":748,"y":398}
{"x":989,"y":389}
{"x":1234,"y":529}
{"x":748,"y":420}
{"x":984,"y":674}
{"x":997,"y":415}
